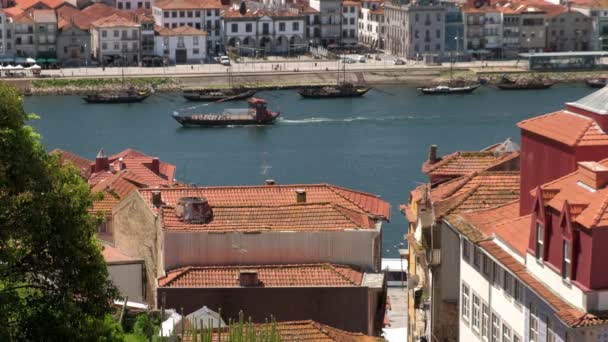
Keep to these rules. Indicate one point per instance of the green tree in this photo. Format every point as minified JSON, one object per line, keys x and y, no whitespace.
{"x":53,"y":280}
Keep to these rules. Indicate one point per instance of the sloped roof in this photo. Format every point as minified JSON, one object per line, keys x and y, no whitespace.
{"x":312,"y":275}
{"x":234,"y":13}
{"x":114,"y":20}
{"x":26,"y":4}
{"x":112,"y":255}
{"x":465,"y":162}
{"x":297,"y":217}
{"x":81,"y":163}
{"x":44,"y":16}
{"x":589,"y":207}
{"x":179,"y":31}
{"x":596,"y":102}
{"x":277,"y":195}
{"x":567,"y":128}
{"x":515,"y":233}
{"x":188,"y":4}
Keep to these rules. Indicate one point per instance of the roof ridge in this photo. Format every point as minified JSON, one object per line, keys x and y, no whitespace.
{"x":342,"y":210}
{"x":336,"y":188}
{"x":342,"y":275}
{"x":444,"y":160}
{"x":598,"y":216}
{"x":583,"y":131}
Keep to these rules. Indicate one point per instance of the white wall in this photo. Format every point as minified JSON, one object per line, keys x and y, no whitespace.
{"x":204,"y":15}
{"x":171,"y":43}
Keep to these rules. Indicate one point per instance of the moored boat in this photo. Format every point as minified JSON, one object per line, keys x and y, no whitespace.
{"x":210,"y":95}
{"x":524,"y":84}
{"x":257,"y":113}
{"x":448,"y":90}
{"x":340,"y":90}
{"x":597,"y":82}
{"x":129,"y":96}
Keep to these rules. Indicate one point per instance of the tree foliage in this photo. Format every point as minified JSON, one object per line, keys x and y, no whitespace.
{"x":53,"y":280}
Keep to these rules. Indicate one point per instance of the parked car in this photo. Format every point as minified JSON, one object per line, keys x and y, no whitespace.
{"x":348,"y":60}
{"x":377,"y":57}
{"x":361,"y":59}
{"x":399,"y":61}
{"x":224,"y":60}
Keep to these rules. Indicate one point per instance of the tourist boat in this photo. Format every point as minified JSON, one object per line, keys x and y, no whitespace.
{"x":344,"y":89}
{"x":129,"y":96}
{"x":448,"y":90}
{"x":524,"y":84}
{"x":597,"y":82}
{"x":211,"y":95}
{"x":256,"y":114}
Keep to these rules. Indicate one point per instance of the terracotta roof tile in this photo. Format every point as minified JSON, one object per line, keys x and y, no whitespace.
{"x":297,"y":217}
{"x":179,"y":31}
{"x":26,"y":4}
{"x":487,"y":220}
{"x":303,"y":331}
{"x":233,"y":13}
{"x":313,"y":275}
{"x":567,"y":128}
{"x":188,"y":4}
{"x":515,"y":233}
{"x":114,"y":20}
{"x":463,"y":163}
{"x":277,"y":195}
{"x":81,"y":163}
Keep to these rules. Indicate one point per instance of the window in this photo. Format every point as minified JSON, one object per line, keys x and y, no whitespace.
{"x":466,"y":247}
{"x":495,"y":328}
{"x":518,"y":292}
{"x":476,"y":254}
{"x":295,"y":26}
{"x":248,"y":27}
{"x":465,"y":302}
{"x":533,"y":319}
{"x":437,"y":34}
{"x":485,"y":322}
{"x":116,"y":46}
{"x":551,"y":337}
{"x":208,"y":13}
{"x":135,"y":46}
{"x":566,"y":263}
{"x":195,"y":40}
{"x":516,"y":338}
{"x":195,"y":51}
{"x":540,"y":237}
{"x":496,"y":274}
{"x":507,"y":284}
{"x":116,"y":34}
{"x":182,"y":14}
{"x":104,"y":33}
{"x":281,"y":27}
{"x":487,"y":266}
{"x":476,"y":319}
{"x":197,"y":14}
{"x":352,"y":21}
{"x":128,"y":5}
{"x":217,"y":12}
{"x":173,"y":14}
{"x":189,"y":14}
{"x":166,"y":14}
{"x":234,"y":28}
{"x":104,"y":46}
{"x":506,"y":333}
{"x":265,"y":28}
{"x":120,"y":5}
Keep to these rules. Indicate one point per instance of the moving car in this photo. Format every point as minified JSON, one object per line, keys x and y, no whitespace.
{"x":224,"y":60}
{"x":399,"y":61}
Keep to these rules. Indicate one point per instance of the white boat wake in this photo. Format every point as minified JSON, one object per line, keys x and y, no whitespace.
{"x":314,"y":120}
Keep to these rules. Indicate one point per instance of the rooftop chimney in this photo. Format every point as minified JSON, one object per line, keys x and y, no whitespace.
{"x":157,"y":199}
{"x":269,"y":182}
{"x":101,"y":161}
{"x":300,"y":196}
{"x":433,"y":154}
{"x":121,"y":164}
{"x":193,"y":210}
{"x":593,"y":174}
{"x":248,"y":278}
{"x":155,"y":165}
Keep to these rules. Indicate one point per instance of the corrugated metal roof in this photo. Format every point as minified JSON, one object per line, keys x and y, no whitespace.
{"x":596,"y":102}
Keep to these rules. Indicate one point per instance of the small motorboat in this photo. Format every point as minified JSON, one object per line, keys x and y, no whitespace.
{"x":129,"y":96}
{"x":597,"y":82}
{"x":524,"y":84}
{"x":212,"y":95}
{"x":257,"y":113}
{"x":449,"y":90}
{"x":345,"y":89}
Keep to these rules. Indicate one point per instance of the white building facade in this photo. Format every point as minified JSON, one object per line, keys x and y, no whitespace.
{"x":205,"y":16}
{"x":115,"y":39}
{"x":330,"y":20}
{"x":181,"y":45}
{"x":350,"y":21}
{"x":264,"y":31}
{"x":7,"y":42}
{"x":372,"y":24}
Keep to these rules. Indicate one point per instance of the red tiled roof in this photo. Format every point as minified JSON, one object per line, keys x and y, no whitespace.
{"x":313,"y":275}
{"x":301,"y":331}
{"x":486,"y":221}
{"x":588,"y":208}
{"x":515,"y":233}
{"x":114,"y":20}
{"x":81,"y":163}
{"x":462,"y":163}
{"x":297,"y":217}
{"x":179,"y":31}
{"x":479,"y":191}
{"x":261,"y":12}
{"x":26,"y":4}
{"x":277,"y":195}
{"x":85,"y":17}
{"x":188,"y":4}
{"x":567,"y":128}
{"x":113,"y":256}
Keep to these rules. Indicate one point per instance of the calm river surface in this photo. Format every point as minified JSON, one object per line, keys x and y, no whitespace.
{"x":376,"y":143}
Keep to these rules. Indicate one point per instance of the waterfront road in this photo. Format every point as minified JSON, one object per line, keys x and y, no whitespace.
{"x":282,"y":65}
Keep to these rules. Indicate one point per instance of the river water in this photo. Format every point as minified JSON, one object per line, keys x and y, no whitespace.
{"x":376,"y":143}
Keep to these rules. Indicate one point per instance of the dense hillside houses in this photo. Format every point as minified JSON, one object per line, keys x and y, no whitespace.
{"x":63,"y":31}
{"x":525,"y":257}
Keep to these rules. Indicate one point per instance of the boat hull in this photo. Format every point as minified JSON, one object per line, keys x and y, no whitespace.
{"x":596,"y":83}
{"x":316,"y":93}
{"x":202,"y":97}
{"x":115,"y":99}
{"x":508,"y":86}
{"x":225,"y":120}
{"x":449,"y":91}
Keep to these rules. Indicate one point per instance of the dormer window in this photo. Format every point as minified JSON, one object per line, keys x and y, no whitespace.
{"x":566,"y":262}
{"x":539,"y":241}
